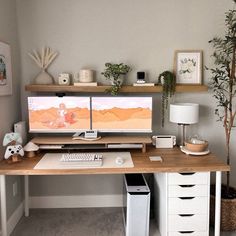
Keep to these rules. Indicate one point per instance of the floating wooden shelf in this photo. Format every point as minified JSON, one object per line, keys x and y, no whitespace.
{"x":101,"y":89}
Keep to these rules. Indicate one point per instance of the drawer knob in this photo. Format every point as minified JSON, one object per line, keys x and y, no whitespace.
{"x":187,"y":186}
{"x":186,"y":215}
{"x":186,"y":232}
{"x":186,"y":198}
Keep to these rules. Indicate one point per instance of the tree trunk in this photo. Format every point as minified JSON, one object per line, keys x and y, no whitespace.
{"x":228,"y":173}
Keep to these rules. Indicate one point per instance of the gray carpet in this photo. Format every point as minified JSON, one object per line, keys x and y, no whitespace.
{"x":71,"y":222}
{"x":78,"y":222}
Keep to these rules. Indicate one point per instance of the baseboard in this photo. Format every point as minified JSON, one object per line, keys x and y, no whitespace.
{"x":14,"y":218}
{"x":80,"y":201}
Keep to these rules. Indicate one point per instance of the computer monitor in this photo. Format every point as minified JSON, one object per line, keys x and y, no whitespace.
{"x":122,"y":114}
{"x":58,"y":114}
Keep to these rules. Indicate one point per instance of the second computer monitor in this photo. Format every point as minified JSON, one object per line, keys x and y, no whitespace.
{"x":122,"y":114}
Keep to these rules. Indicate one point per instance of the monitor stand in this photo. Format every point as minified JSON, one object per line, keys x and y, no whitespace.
{"x":108,"y":142}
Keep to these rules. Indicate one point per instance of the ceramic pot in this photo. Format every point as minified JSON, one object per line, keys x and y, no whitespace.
{"x":44,"y":78}
{"x":120,"y":79}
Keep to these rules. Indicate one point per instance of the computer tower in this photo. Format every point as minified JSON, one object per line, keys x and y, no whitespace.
{"x":136,"y":205}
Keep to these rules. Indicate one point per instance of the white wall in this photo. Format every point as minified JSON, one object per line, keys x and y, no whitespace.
{"x":143,"y":34}
{"x":10,"y":105}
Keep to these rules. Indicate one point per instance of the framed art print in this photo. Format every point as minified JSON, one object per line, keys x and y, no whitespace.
{"x":188,"y":67}
{"x":5,"y":70}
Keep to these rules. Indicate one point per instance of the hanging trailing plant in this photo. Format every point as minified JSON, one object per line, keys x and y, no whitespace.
{"x":168,"y":82}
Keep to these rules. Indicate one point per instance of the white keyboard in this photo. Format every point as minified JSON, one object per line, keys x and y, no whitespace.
{"x":82,"y":159}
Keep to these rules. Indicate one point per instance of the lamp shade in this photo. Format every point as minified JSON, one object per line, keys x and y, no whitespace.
{"x":184,"y":113}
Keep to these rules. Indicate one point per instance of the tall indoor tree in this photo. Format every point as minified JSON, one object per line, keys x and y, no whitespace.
{"x":223,"y":82}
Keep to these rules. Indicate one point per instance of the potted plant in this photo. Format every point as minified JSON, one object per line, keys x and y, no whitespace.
{"x":223,"y":83}
{"x":115,"y":73}
{"x":168,"y":82}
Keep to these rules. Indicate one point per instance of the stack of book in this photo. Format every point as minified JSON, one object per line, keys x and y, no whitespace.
{"x":143,"y":84}
{"x":86,"y":84}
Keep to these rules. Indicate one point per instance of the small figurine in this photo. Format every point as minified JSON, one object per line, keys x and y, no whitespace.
{"x":14,"y":150}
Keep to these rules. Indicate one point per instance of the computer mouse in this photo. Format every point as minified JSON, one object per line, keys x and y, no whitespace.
{"x":120,"y":161}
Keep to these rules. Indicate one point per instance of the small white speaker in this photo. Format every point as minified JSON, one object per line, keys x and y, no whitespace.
{"x":20,"y":127}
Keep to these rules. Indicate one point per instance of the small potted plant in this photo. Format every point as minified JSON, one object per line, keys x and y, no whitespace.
{"x":223,"y":84}
{"x":168,"y":82}
{"x":115,"y":73}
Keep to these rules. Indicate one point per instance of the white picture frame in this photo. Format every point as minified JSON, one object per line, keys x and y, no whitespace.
{"x":188,"y":66}
{"x":5,"y":69}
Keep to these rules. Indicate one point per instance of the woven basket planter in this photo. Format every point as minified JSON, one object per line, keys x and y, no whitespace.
{"x":228,"y":213}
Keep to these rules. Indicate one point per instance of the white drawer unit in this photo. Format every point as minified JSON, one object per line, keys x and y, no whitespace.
{"x":198,"y":190}
{"x":182,"y":203}
{"x":188,"y":178}
{"x":188,"y":205}
{"x":187,"y":222}
{"x":188,"y":233}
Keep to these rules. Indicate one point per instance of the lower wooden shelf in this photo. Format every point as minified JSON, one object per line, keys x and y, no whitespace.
{"x":143,"y":140}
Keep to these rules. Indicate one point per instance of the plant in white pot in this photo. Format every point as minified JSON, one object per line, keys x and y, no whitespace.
{"x":223,"y":83}
{"x":115,"y":73}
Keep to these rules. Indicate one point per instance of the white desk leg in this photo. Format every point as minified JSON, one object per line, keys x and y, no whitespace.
{"x":218,"y":203}
{"x":3,"y":205}
{"x":26,"y":183}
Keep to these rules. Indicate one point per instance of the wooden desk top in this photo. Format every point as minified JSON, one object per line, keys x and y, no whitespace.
{"x":173,"y":161}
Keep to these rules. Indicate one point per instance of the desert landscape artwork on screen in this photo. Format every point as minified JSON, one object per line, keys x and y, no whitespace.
{"x":65,"y":114}
{"x":128,"y":114}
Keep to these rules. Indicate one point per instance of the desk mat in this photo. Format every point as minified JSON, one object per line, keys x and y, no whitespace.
{"x":52,"y":161}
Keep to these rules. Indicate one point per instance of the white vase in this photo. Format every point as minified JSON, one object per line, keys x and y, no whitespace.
{"x":44,"y":78}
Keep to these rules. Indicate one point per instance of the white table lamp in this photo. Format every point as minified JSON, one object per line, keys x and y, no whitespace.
{"x":184,"y":114}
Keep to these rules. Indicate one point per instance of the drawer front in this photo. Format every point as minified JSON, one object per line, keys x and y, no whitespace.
{"x":188,"y":233}
{"x":181,"y":223}
{"x":188,"y":205}
{"x":185,"y":190}
{"x":188,"y":178}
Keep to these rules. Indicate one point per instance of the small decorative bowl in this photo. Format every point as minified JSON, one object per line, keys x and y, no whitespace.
{"x":193,"y":147}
